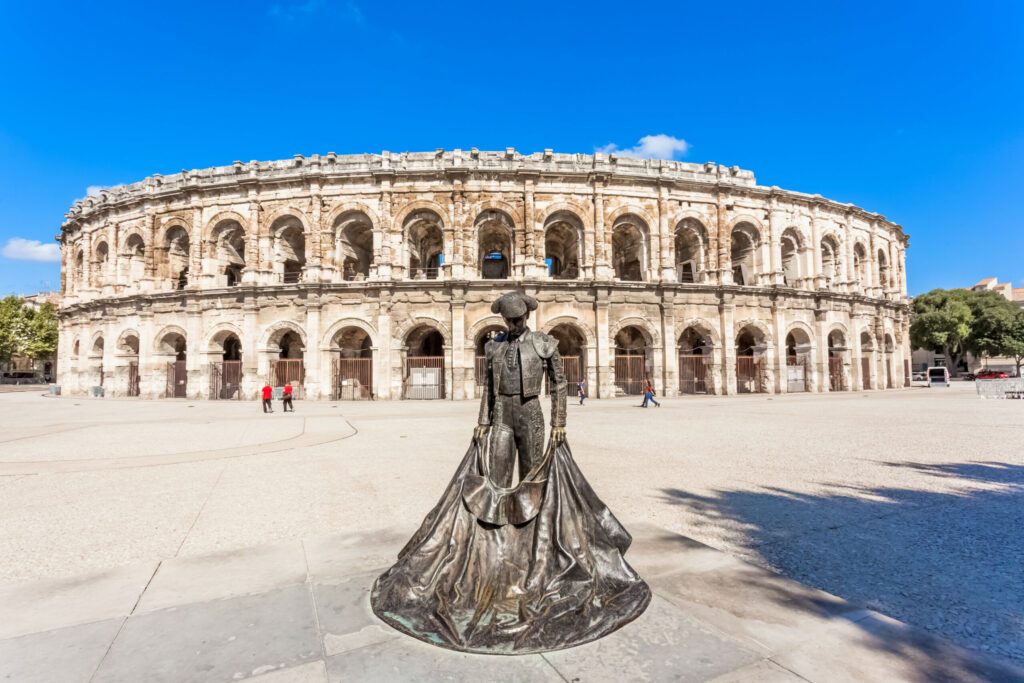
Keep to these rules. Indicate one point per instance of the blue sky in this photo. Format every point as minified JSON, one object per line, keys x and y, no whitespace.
{"x":914,"y":110}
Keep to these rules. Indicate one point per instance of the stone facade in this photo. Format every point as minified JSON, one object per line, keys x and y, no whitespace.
{"x":372,"y":275}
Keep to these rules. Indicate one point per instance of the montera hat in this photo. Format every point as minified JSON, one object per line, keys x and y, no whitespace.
{"x":514,"y":305}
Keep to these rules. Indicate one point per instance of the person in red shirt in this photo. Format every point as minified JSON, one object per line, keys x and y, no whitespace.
{"x":268,"y":394}
{"x":288,"y":405}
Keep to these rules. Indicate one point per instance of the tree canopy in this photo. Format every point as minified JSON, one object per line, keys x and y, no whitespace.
{"x":957,"y":321}
{"x":25,"y":331}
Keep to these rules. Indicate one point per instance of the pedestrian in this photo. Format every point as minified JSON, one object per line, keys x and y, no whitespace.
{"x":583,"y":390}
{"x":268,"y":395}
{"x":649,"y":394}
{"x":287,"y":398}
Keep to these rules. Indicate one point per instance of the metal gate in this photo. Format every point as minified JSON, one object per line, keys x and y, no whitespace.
{"x":226,"y":380}
{"x":865,"y":373}
{"x":693,"y":373}
{"x":424,"y":377}
{"x":836,"y":380}
{"x":133,"y":379}
{"x":749,"y":375}
{"x":629,"y":374}
{"x":352,"y":379}
{"x":573,"y":371}
{"x":285,"y":370}
{"x":796,"y":374}
{"x":177,"y":380}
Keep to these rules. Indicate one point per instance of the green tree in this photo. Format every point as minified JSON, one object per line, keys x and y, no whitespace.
{"x":42,"y":333}
{"x":13,"y":328}
{"x":942,"y":323}
{"x":1011,"y":338}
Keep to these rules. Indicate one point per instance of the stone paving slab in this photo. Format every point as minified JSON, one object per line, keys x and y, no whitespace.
{"x":68,"y":655}
{"x":39,"y":606}
{"x":222,"y":575}
{"x":219,"y":640}
{"x":303,"y":616}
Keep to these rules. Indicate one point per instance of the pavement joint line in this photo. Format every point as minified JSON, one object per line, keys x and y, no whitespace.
{"x":786,"y":668}
{"x":543,"y":655}
{"x":201,"y":508}
{"x":312,"y":598}
{"x":120,"y":628}
{"x":146,"y":587}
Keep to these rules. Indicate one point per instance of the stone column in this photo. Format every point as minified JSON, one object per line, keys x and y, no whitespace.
{"x":726,"y":314}
{"x":605,"y":356}
{"x":821,"y":351}
{"x":194,"y":356}
{"x":816,"y":230}
{"x":461,"y":388}
{"x":384,"y":356}
{"x":724,"y":246}
{"x":532,"y":255}
{"x":668,"y":268}
{"x":311,"y":356}
{"x":314,"y":247}
{"x":391,"y":253}
{"x":776,"y":225}
{"x":603,"y":269}
{"x":87,"y":261}
{"x":251,"y":380}
{"x":670,"y":359}
{"x":252,"y":273}
{"x":195,"y":247}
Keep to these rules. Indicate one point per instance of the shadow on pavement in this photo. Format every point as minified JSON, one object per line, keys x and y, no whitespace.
{"x":948,"y":562}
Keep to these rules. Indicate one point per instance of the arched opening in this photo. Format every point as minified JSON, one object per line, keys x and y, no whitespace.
{"x":289,"y":248}
{"x":695,"y":351}
{"x":751,"y":377}
{"x":229,"y":250}
{"x":226,"y":366}
{"x":176,"y":257}
{"x":100,"y":271}
{"x":135,"y":256}
{"x":172,"y":346}
{"x":425,"y":239}
{"x":480,"y":352}
{"x":860,"y":264}
{"x":631,"y":361}
{"x":562,"y":245}
{"x":790,"y":245}
{"x":78,"y":276}
{"x":128,"y":348}
{"x":867,"y":347}
{"x":353,"y":245}
{"x":690,"y":246}
{"x":287,"y":360}
{"x":629,"y":248}
{"x":798,"y":349}
{"x":494,"y":242}
{"x":572,"y":347}
{"x":836,"y":353}
{"x":352,"y":376}
{"x":743,"y":254}
{"x":883,"y":272}
{"x":75,"y":349}
{"x":829,"y":261}
{"x":424,"y":376}
{"x":96,"y":362}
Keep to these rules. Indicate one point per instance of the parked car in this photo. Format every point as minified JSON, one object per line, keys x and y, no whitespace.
{"x":938,"y":377}
{"x":919,"y":376}
{"x":992,"y":374}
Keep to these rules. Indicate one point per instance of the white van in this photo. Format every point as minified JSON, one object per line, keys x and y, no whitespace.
{"x":938,"y":377}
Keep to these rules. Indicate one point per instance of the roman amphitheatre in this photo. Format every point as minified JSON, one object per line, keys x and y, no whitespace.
{"x":370,"y":276}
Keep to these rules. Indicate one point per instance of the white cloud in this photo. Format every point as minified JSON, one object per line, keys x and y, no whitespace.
{"x":94,"y":190}
{"x":658,"y":146}
{"x":20,"y":249}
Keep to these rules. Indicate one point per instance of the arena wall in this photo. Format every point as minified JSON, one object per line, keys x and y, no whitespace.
{"x":344,"y":268}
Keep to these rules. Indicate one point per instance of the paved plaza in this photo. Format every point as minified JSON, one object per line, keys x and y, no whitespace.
{"x":840,"y":537}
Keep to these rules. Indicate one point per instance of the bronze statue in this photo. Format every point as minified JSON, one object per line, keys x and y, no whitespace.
{"x":524,"y":569}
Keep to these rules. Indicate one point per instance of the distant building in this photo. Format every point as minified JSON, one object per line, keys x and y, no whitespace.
{"x":44,"y":369}
{"x":923,"y":359}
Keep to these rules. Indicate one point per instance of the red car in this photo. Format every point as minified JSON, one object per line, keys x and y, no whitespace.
{"x":991,"y":374}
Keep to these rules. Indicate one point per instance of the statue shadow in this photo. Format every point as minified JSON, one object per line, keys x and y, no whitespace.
{"x":947,"y":558}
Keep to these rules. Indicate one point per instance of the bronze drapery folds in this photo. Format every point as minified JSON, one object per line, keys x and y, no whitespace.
{"x":515,"y":570}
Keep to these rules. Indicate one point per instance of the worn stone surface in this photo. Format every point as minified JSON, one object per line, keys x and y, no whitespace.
{"x":68,"y":655}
